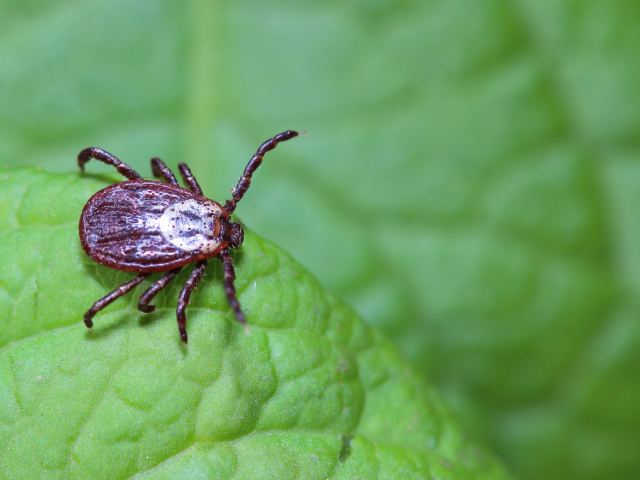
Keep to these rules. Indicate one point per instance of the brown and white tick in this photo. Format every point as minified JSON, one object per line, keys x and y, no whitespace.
{"x":146,"y":226}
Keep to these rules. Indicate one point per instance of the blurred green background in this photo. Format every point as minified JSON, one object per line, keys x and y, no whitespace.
{"x":470,"y":181}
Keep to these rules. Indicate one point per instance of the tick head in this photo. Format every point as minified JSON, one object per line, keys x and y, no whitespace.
{"x":233,"y":234}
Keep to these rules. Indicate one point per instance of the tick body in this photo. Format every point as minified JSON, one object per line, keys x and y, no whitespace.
{"x":147,"y":226}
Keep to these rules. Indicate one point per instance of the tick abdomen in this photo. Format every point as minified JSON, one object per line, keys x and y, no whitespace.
{"x":148,"y":226}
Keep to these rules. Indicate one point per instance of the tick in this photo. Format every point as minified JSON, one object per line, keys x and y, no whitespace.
{"x":147,"y":226}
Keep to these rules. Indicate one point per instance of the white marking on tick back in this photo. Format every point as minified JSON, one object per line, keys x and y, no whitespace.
{"x":192,"y":225}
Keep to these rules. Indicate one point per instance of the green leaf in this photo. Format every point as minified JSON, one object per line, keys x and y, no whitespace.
{"x":469,"y":183}
{"x":306,"y":391}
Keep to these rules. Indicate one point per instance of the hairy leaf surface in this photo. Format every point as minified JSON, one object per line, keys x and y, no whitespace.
{"x":307,"y":391}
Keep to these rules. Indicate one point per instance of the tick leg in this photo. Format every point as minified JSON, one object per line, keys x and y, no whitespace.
{"x":88,"y":153}
{"x":229,"y":287}
{"x":107,"y":299}
{"x":160,"y":170}
{"x":185,"y":296}
{"x":254,"y":163}
{"x":143,"y":304}
{"x":189,"y":179}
